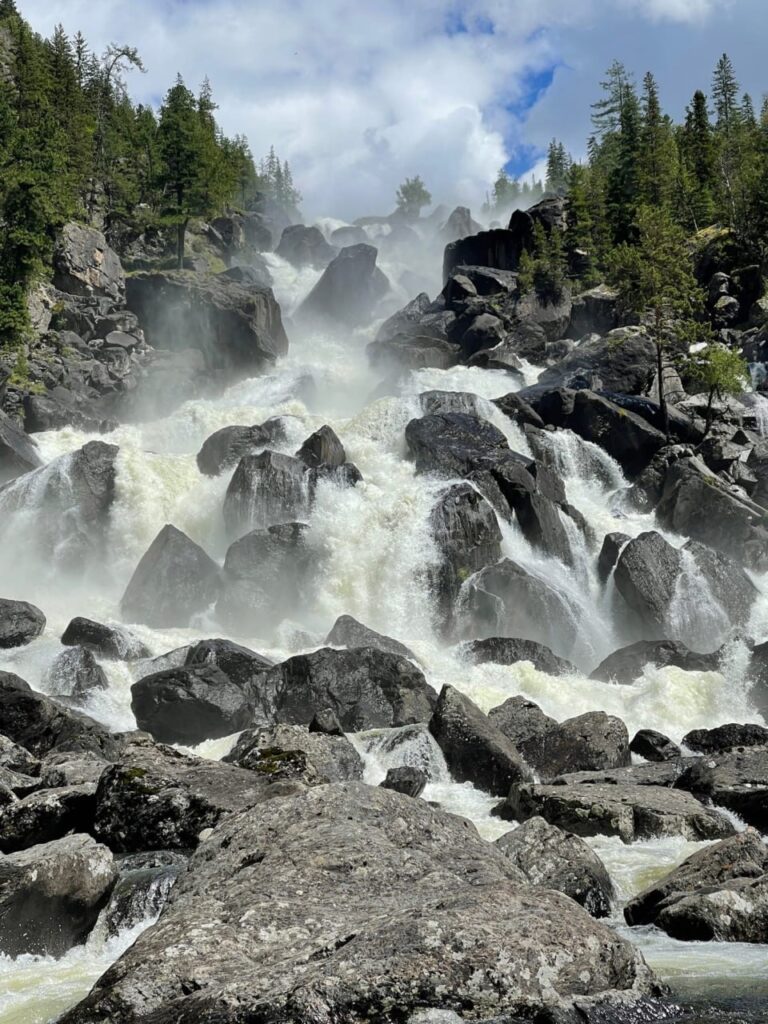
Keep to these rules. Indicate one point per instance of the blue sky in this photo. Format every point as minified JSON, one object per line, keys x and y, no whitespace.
{"x":357,"y":94}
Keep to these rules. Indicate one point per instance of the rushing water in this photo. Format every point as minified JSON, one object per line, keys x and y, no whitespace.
{"x":373,"y":545}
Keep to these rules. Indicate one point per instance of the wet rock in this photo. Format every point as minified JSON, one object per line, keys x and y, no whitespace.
{"x":654,"y":746}
{"x":407,"y":881}
{"x":506,"y":600}
{"x":628,"y":663}
{"x":613,"y":544}
{"x":455,"y":444}
{"x":305,"y":247}
{"x":156,"y":798}
{"x":718,"y":893}
{"x":240,"y":664}
{"x":521,"y":720}
{"x":506,"y":650}
{"x":467,"y":537}
{"x":486,"y":331}
{"x":726,"y":737}
{"x":85,"y":265}
{"x":406,"y":780}
{"x":75,"y":673}
{"x":736,"y":779}
{"x":554,"y":859}
{"x":18,"y":453}
{"x":589,"y":742}
{"x":45,"y":815}
{"x":623,"y":361}
{"x":434,"y":403}
{"x":174,"y":580}
{"x":517,"y":409}
{"x":51,"y":895}
{"x":630,"y":812}
{"x":269,"y":752}
{"x":266,"y":490}
{"x":407,"y":320}
{"x":413,"y":352}
{"x":475,"y":749}
{"x":349,"y":290}
{"x":110,"y":642}
{"x":365,"y":688}
{"x":142,"y":889}
{"x":237,"y":328}
{"x":503,"y":356}
{"x":411,"y":746}
{"x":227,"y":446}
{"x":326,"y":722}
{"x":41,"y":725}
{"x":264,"y":578}
{"x":20,"y":623}
{"x":323,"y":448}
{"x":348,"y":632}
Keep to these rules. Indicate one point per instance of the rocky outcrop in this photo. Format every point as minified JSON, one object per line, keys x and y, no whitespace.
{"x":623,"y":361}
{"x":51,"y":895}
{"x":266,"y":490}
{"x":174,"y":580}
{"x":475,"y":749}
{"x":237,"y":328}
{"x":373,"y":938}
{"x":84,"y":264}
{"x":110,"y":642}
{"x":305,"y":247}
{"x":348,"y":632}
{"x":627,"y":664}
{"x":20,"y":623}
{"x":18,"y":453}
{"x":503,"y":650}
{"x":349,"y":290}
{"x":227,"y":446}
{"x":553,"y":859}
{"x":276,"y":753}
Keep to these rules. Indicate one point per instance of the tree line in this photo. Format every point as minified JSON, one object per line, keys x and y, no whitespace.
{"x":73,"y":145}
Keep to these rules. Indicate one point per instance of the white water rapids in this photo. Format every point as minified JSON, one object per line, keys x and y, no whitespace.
{"x":373,"y":544}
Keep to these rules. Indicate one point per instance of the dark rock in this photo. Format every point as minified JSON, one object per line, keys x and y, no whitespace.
{"x":459,"y":225}
{"x":654,"y":746}
{"x":406,"y":780}
{"x":736,"y":779}
{"x":266,"y":490}
{"x":235,"y":327}
{"x":553,"y":859}
{"x":521,"y":720}
{"x":475,"y":749}
{"x":20,"y":623}
{"x":75,"y":673}
{"x":454,"y":444}
{"x":590,"y":742}
{"x":551,"y":313}
{"x":388,"y":886}
{"x":623,"y":361}
{"x":406,"y":321}
{"x":18,"y":453}
{"x":270,"y":752}
{"x":142,"y":889}
{"x":70,"y":768}
{"x":326,"y":722}
{"x":323,"y":448}
{"x":348,"y":632}
{"x":110,"y":642}
{"x":627,"y":664}
{"x":486,"y":331}
{"x":434,"y":403}
{"x":305,"y":247}
{"x":15,"y":758}
{"x":498,"y":248}
{"x":349,"y":290}
{"x":517,"y":409}
{"x":46,"y":815}
{"x":594,"y":312}
{"x":85,"y":265}
{"x":413,"y":352}
{"x":502,"y":357}
{"x":242,"y":665}
{"x":227,"y":446}
{"x":365,"y":688}
{"x":505,"y":650}
{"x":51,"y":895}
{"x":41,"y":725}
{"x":174,"y":580}
{"x":726,"y":737}
{"x":613,"y":543}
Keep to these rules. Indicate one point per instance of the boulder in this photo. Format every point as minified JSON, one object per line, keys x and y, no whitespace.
{"x":630,"y":812}
{"x":654,"y":746}
{"x":237,"y":328}
{"x":242,"y":665}
{"x":45,"y":815}
{"x":348,"y":632}
{"x":42,"y":725}
{"x":70,"y":768}
{"x":459,"y":225}
{"x":266,"y":490}
{"x":726,"y":737}
{"x":623,"y":361}
{"x":485,"y":331}
{"x":17,"y":759}
{"x":349,"y":290}
{"x":51,"y":895}
{"x":174,"y":580}
{"x":156,"y":798}
{"x":110,"y":642}
{"x":521,"y":720}
{"x":518,"y":410}
{"x":628,"y":663}
{"x":718,"y":893}
{"x":83,"y":264}
{"x":589,"y":742}
{"x":75,"y":673}
{"x":349,"y":234}
{"x":498,"y":248}
{"x":553,"y":859}
{"x":507,"y":600}
{"x":613,"y":543}
{"x":142,"y":889}
{"x":20,"y":623}
{"x":506,"y":650}
{"x":323,"y":448}
{"x":406,"y":780}
{"x":475,"y":749}
{"x":736,"y":779}
{"x":352,"y":911}
{"x":18,"y":453}
{"x":454,"y":444}
{"x":413,"y":352}
{"x":594,"y":312}
{"x":551,"y":313}
{"x":272,"y":752}
{"x":305,"y":247}
{"x":227,"y":446}
{"x":365,"y":688}
{"x":406,"y":321}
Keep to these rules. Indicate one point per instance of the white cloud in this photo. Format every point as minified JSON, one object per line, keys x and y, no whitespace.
{"x":359,"y":95}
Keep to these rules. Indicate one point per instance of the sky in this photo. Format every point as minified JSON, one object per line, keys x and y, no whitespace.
{"x":359,"y":94}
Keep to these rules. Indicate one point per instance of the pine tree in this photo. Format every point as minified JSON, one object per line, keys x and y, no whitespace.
{"x":658,"y":156}
{"x":181,"y":150}
{"x":412,"y":195}
{"x":607,"y":112}
{"x":622,"y":190}
{"x":725,"y":92}
{"x":558,"y":163}
{"x":698,"y":178}
{"x":721,"y":372}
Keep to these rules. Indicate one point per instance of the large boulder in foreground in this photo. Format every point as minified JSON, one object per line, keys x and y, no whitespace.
{"x":18,"y":453}
{"x":174,"y":580}
{"x":348,"y":291}
{"x":20,"y":623}
{"x":236,"y":327}
{"x":718,"y":894}
{"x":51,"y":895}
{"x":353,"y":903}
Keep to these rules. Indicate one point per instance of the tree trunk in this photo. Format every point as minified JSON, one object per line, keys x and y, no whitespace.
{"x":180,"y":241}
{"x":660,"y":372}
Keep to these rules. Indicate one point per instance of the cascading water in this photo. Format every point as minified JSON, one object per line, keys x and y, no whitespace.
{"x":373,"y":548}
